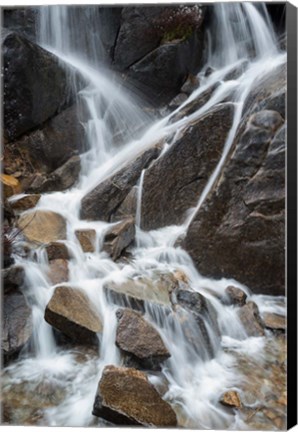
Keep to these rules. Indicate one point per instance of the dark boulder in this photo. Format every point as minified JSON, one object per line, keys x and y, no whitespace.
{"x":126,"y":397}
{"x":34,"y":85}
{"x":119,"y":237}
{"x":162,"y":72}
{"x":102,"y":202}
{"x":50,"y":146}
{"x":242,"y":219}
{"x":185,"y":169}
{"x":139,"y":340}
{"x":16,"y":324}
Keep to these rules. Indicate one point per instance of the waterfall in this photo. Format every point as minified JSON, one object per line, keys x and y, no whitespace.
{"x":116,"y":131}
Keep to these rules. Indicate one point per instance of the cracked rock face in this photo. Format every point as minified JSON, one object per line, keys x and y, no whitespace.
{"x":185,"y":169}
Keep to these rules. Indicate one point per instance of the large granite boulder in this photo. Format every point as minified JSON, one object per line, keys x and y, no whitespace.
{"x":104,"y":199}
{"x":71,"y":312}
{"x":139,"y":340}
{"x":243,"y":218}
{"x":185,"y":169}
{"x":126,"y":397}
{"x":34,"y":85}
{"x":42,"y":226}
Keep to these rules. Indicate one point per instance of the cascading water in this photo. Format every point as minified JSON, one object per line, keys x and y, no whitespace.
{"x":196,"y":374}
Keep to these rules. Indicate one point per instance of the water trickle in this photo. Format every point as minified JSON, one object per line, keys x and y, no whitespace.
{"x":202,"y":364}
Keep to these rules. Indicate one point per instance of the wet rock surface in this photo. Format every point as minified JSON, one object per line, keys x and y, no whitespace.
{"x":126,"y":397}
{"x":185,"y":169}
{"x":134,"y":292}
{"x":119,"y":237}
{"x":103,"y":201}
{"x":58,"y":271}
{"x":16,"y":324}
{"x":71,"y":312}
{"x":139,"y":339}
{"x":42,"y":226}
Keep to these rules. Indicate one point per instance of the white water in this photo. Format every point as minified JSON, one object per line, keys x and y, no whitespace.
{"x":196,"y":378}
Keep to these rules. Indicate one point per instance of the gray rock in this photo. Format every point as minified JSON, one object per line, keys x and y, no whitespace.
{"x":16,"y":324}
{"x":243,"y":218}
{"x":119,"y":237}
{"x":13,"y":278}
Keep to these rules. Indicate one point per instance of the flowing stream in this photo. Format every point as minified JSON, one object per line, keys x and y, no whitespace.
{"x":195,"y":378}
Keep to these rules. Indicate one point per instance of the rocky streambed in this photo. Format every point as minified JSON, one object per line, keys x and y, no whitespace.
{"x":143,"y":241}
